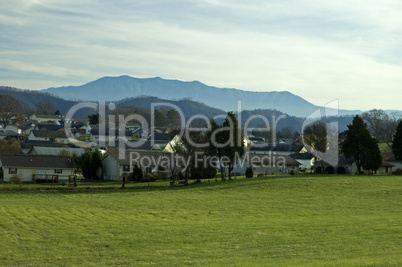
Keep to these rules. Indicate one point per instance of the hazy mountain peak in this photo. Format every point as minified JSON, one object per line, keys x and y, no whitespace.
{"x":116,"y":88}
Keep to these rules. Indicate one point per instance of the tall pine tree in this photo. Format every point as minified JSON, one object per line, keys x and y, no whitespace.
{"x":397,"y":142}
{"x":361,"y":146}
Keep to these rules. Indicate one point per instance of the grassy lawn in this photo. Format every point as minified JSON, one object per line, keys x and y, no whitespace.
{"x":276,"y":221}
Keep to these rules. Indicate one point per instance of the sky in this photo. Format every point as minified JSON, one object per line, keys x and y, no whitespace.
{"x":323,"y":51}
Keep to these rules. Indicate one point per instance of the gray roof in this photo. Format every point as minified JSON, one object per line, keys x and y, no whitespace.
{"x":115,"y":132}
{"x":155,"y":156}
{"x":56,"y":150}
{"x":48,"y":127}
{"x":278,"y":148}
{"x":49,"y":134}
{"x":302,"y":156}
{"x":36,"y":161}
{"x":46,"y":116}
{"x":8,"y":133}
{"x":274,"y":160}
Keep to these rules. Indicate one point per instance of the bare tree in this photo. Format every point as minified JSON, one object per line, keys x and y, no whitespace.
{"x":9,"y":108}
{"x":381,"y":125}
{"x":45,"y":107}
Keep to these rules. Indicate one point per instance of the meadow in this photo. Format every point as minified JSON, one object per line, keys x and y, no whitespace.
{"x":270,"y":221}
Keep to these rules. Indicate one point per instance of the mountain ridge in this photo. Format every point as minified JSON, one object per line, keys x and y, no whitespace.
{"x":112,"y":88}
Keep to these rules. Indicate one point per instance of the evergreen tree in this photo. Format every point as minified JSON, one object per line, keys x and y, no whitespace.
{"x":371,"y":157}
{"x":361,"y":146}
{"x":216,"y":139}
{"x":249,"y":172}
{"x":85,"y":165}
{"x":96,"y":164}
{"x":235,"y":149}
{"x":397,"y":142}
{"x":94,"y":118}
{"x":138,"y":174}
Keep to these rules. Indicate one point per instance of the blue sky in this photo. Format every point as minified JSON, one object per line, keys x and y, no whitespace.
{"x":321,"y":51}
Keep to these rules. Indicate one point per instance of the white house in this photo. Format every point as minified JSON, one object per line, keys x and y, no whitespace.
{"x":56,"y":151}
{"x":306,"y":160}
{"x":51,"y":136}
{"x":278,"y":149}
{"x":40,"y":118}
{"x":109,"y":135}
{"x":14,"y":128}
{"x":30,"y":168}
{"x":115,"y":167}
{"x":266,"y":164}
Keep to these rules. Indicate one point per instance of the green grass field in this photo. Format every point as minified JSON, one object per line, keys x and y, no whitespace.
{"x":277,"y":221}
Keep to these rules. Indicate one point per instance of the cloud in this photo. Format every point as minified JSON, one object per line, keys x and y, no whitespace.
{"x":319,"y":51}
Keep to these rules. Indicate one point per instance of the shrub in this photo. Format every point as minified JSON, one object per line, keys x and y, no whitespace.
{"x":341,"y":170}
{"x":249,"y":172}
{"x":138,"y":174}
{"x":15,"y":180}
{"x":398,"y":172}
{"x":292,"y":172}
{"x":329,"y":170}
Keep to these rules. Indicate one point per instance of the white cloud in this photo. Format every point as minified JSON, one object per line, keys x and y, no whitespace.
{"x":321,"y":52}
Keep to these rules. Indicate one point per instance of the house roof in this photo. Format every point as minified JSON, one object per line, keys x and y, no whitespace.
{"x":278,"y":148}
{"x":129,"y":158}
{"x":147,"y":145}
{"x":49,"y":127}
{"x":8,"y":133}
{"x":387,"y":164}
{"x":273,"y":160}
{"x":56,"y":150}
{"x":95,"y":131}
{"x":302,"y":156}
{"x":29,"y":144}
{"x":45,"y":116}
{"x":161,"y":136}
{"x":36,"y":161}
{"x":49,"y":134}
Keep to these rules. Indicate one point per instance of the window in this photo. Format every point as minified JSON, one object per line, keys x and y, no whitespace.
{"x":126,"y":168}
{"x":41,"y":174}
{"x":12,"y":171}
{"x":60,"y":171}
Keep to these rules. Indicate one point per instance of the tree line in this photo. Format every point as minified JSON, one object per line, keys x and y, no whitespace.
{"x":360,"y":141}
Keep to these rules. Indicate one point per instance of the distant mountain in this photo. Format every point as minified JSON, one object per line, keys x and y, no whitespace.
{"x":188,"y":107}
{"x":117,"y":88}
{"x":29,"y":99}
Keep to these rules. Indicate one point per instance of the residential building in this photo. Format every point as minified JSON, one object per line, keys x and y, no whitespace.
{"x":30,"y":168}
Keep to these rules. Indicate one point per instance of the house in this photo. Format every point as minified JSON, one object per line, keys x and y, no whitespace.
{"x":345,"y":166}
{"x":116,"y":167}
{"x":56,"y":151}
{"x":278,"y":149}
{"x":109,"y":135}
{"x":386,"y":168}
{"x":27,"y":145}
{"x":27,"y":128}
{"x":80,"y":128}
{"x":30,"y":168}
{"x":45,"y":135}
{"x":267,"y":164}
{"x":40,"y":118}
{"x":397,"y":163}
{"x":49,"y":127}
{"x":7,"y":134}
{"x":306,"y":160}
{"x":14,"y":128}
